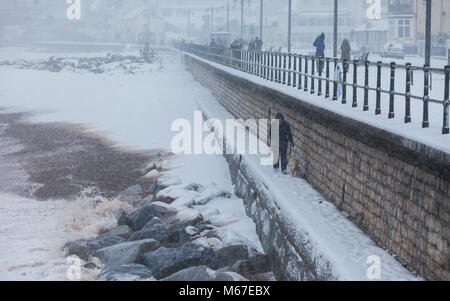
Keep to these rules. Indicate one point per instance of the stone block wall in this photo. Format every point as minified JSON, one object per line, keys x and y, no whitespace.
{"x":395,"y":189}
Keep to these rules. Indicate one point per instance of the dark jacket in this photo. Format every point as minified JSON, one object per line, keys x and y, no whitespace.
{"x":258,"y":45}
{"x":345,"y":50}
{"x":319,"y":44}
{"x":285,"y":135}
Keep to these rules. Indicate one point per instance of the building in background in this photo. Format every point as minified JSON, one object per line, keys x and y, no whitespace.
{"x":407,"y":24}
{"x":312,"y":17}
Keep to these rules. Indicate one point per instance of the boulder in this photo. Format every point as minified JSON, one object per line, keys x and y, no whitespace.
{"x":198,"y":273}
{"x":104,"y":241}
{"x":183,"y":235}
{"x":126,"y":272}
{"x":164,"y":262}
{"x":84,"y":248}
{"x":229,"y":277}
{"x":205,"y":227}
{"x":184,"y":218}
{"x":157,"y":232}
{"x":195,"y":187}
{"x":132,"y":195}
{"x":243,"y":267}
{"x":78,"y":248}
{"x":152,"y":222}
{"x":121,"y":217}
{"x":154,"y":188}
{"x":128,"y":252}
{"x":228,"y":255}
{"x":203,"y":273}
{"x":142,"y":216}
{"x":122,"y":231}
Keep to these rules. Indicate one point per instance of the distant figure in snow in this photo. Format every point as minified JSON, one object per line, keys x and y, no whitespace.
{"x":213,"y":43}
{"x":251,"y":45}
{"x":345,"y":53}
{"x":319,"y":44}
{"x":258,"y":44}
{"x":285,"y":139}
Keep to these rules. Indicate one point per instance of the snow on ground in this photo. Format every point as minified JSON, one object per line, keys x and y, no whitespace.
{"x":134,"y":111}
{"x":332,"y":235}
{"x":414,"y":131}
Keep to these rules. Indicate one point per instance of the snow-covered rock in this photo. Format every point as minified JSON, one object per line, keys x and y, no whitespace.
{"x":164,"y":262}
{"x":142,"y":216}
{"x":127,"y":272}
{"x":157,"y":232}
{"x":128,"y":252}
{"x":228,"y":255}
{"x":84,"y":248}
{"x":203,"y":273}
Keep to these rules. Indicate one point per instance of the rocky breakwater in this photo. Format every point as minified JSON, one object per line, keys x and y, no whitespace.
{"x":158,"y":241}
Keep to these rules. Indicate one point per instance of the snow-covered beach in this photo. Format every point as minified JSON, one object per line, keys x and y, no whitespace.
{"x":136,"y":115}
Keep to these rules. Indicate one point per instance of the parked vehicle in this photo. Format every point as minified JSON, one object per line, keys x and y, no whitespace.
{"x":393,"y":50}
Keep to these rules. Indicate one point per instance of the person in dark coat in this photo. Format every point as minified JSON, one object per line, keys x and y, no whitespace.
{"x":319,"y":44}
{"x":258,"y":44}
{"x":345,"y":53}
{"x":251,"y":45}
{"x":285,"y":140}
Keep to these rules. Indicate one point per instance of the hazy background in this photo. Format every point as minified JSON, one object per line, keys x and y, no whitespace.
{"x":367,"y":23}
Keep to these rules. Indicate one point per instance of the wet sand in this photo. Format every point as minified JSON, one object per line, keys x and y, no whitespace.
{"x":59,"y":160}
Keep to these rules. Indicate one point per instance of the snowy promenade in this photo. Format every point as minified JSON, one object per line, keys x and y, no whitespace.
{"x":332,"y":237}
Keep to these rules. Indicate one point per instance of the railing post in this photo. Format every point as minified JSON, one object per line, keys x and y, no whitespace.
{"x":263,"y":65}
{"x":344,"y":82}
{"x":280,"y":64}
{"x":276,"y":67}
{"x":327,"y":84}
{"x":254,"y":68}
{"x":378,"y":105}
{"x":300,"y":70}
{"x":247,"y":65}
{"x":250,"y":62}
{"x":319,"y":92}
{"x":392,"y":92}
{"x":313,"y":71}
{"x":355,"y":83}
{"x":247,"y":61}
{"x":305,"y":88}
{"x":289,"y":70}
{"x":253,"y":62}
{"x":260,"y":65}
{"x":335,"y":84}
{"x":294,"y":75}
{"x":408,"y":93}
{"x":366,"y":86}
{"x":271,"y":66}
{"x":426,"y":96}
{"x":446,"y":129}
{"x":284,"y":68}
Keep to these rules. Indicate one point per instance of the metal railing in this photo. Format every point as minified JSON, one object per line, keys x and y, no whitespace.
{"x":303,"y":72}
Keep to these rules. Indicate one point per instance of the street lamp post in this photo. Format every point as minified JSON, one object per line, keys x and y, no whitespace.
{"x":212,"y":19}
{"x":335,"y":28}
{"x":428,"y":33}
{"x":242,"y":19}
{"x":289,"y":25}
{"x":228,"y":16}
{"x":189,"y":25}
{"x":261,"y":15}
